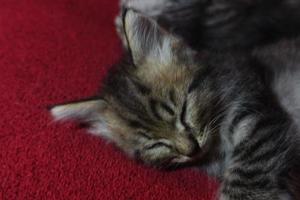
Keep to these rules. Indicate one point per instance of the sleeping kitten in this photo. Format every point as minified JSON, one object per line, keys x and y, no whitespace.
{"x":223,"y":24}
{"x":168,"y":105}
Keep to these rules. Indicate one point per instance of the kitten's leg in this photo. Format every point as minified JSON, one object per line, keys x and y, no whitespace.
{"x":259,"y":157}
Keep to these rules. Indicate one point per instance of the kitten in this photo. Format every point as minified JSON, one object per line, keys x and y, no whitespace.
{"x":223,"y":24}
{"x":168,"y":105}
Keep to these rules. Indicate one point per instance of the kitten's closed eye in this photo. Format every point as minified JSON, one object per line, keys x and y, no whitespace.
{"x":158,"y":145}
{"x":156,"y":152}
{"x":144,"y":135}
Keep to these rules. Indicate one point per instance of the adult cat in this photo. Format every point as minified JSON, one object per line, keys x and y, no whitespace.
{"x":223,"y":24}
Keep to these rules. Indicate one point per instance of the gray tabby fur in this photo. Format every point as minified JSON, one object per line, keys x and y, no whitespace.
{"x":227,"y":112}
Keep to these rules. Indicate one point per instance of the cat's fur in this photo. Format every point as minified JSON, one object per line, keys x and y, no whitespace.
{"x":169,"y":105}
{"x":238,"y":25}
{"x":223,"y":24}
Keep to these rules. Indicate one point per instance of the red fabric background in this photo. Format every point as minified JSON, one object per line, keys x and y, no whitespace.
{"x":53,"y":51}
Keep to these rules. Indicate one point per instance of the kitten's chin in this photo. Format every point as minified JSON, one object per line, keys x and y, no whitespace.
{"x":181,"y":159}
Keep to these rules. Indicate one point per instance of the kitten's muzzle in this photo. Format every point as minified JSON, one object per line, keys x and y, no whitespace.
{"x":195,"y":152}
{"x":195,"y":148}
{"x":186,"y":145}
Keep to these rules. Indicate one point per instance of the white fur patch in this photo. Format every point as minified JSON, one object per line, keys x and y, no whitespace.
{"x":79,"y":110}
{"x":62,"y":113}
{"x":163,"y":53}
{"x":243,"y":129}
{"x":100,"y":128}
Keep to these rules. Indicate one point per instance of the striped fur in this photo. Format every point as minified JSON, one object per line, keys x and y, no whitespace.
{"x":216,"y":110}
{"x":223,"y":24}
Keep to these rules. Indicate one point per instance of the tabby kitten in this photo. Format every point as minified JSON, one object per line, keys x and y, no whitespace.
{"x":168,"y":105}
{"x":223,"y":24}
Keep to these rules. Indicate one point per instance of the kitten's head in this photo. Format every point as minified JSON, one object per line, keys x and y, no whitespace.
{"x":152,"y":107}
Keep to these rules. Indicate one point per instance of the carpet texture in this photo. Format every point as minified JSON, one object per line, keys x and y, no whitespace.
{"x":53,"y":51}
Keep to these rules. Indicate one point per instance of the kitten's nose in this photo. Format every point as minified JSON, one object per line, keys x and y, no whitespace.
{"x":187,"y":146}
{"x":195,"y":148}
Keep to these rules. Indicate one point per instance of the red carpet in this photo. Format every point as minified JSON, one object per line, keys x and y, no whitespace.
{"x":53,"y":51}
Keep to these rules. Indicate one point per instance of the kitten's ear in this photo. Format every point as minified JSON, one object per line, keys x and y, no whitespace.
{"x":91,"y":112}
{"x":146,"y":39}
{"x":85,"y":111}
